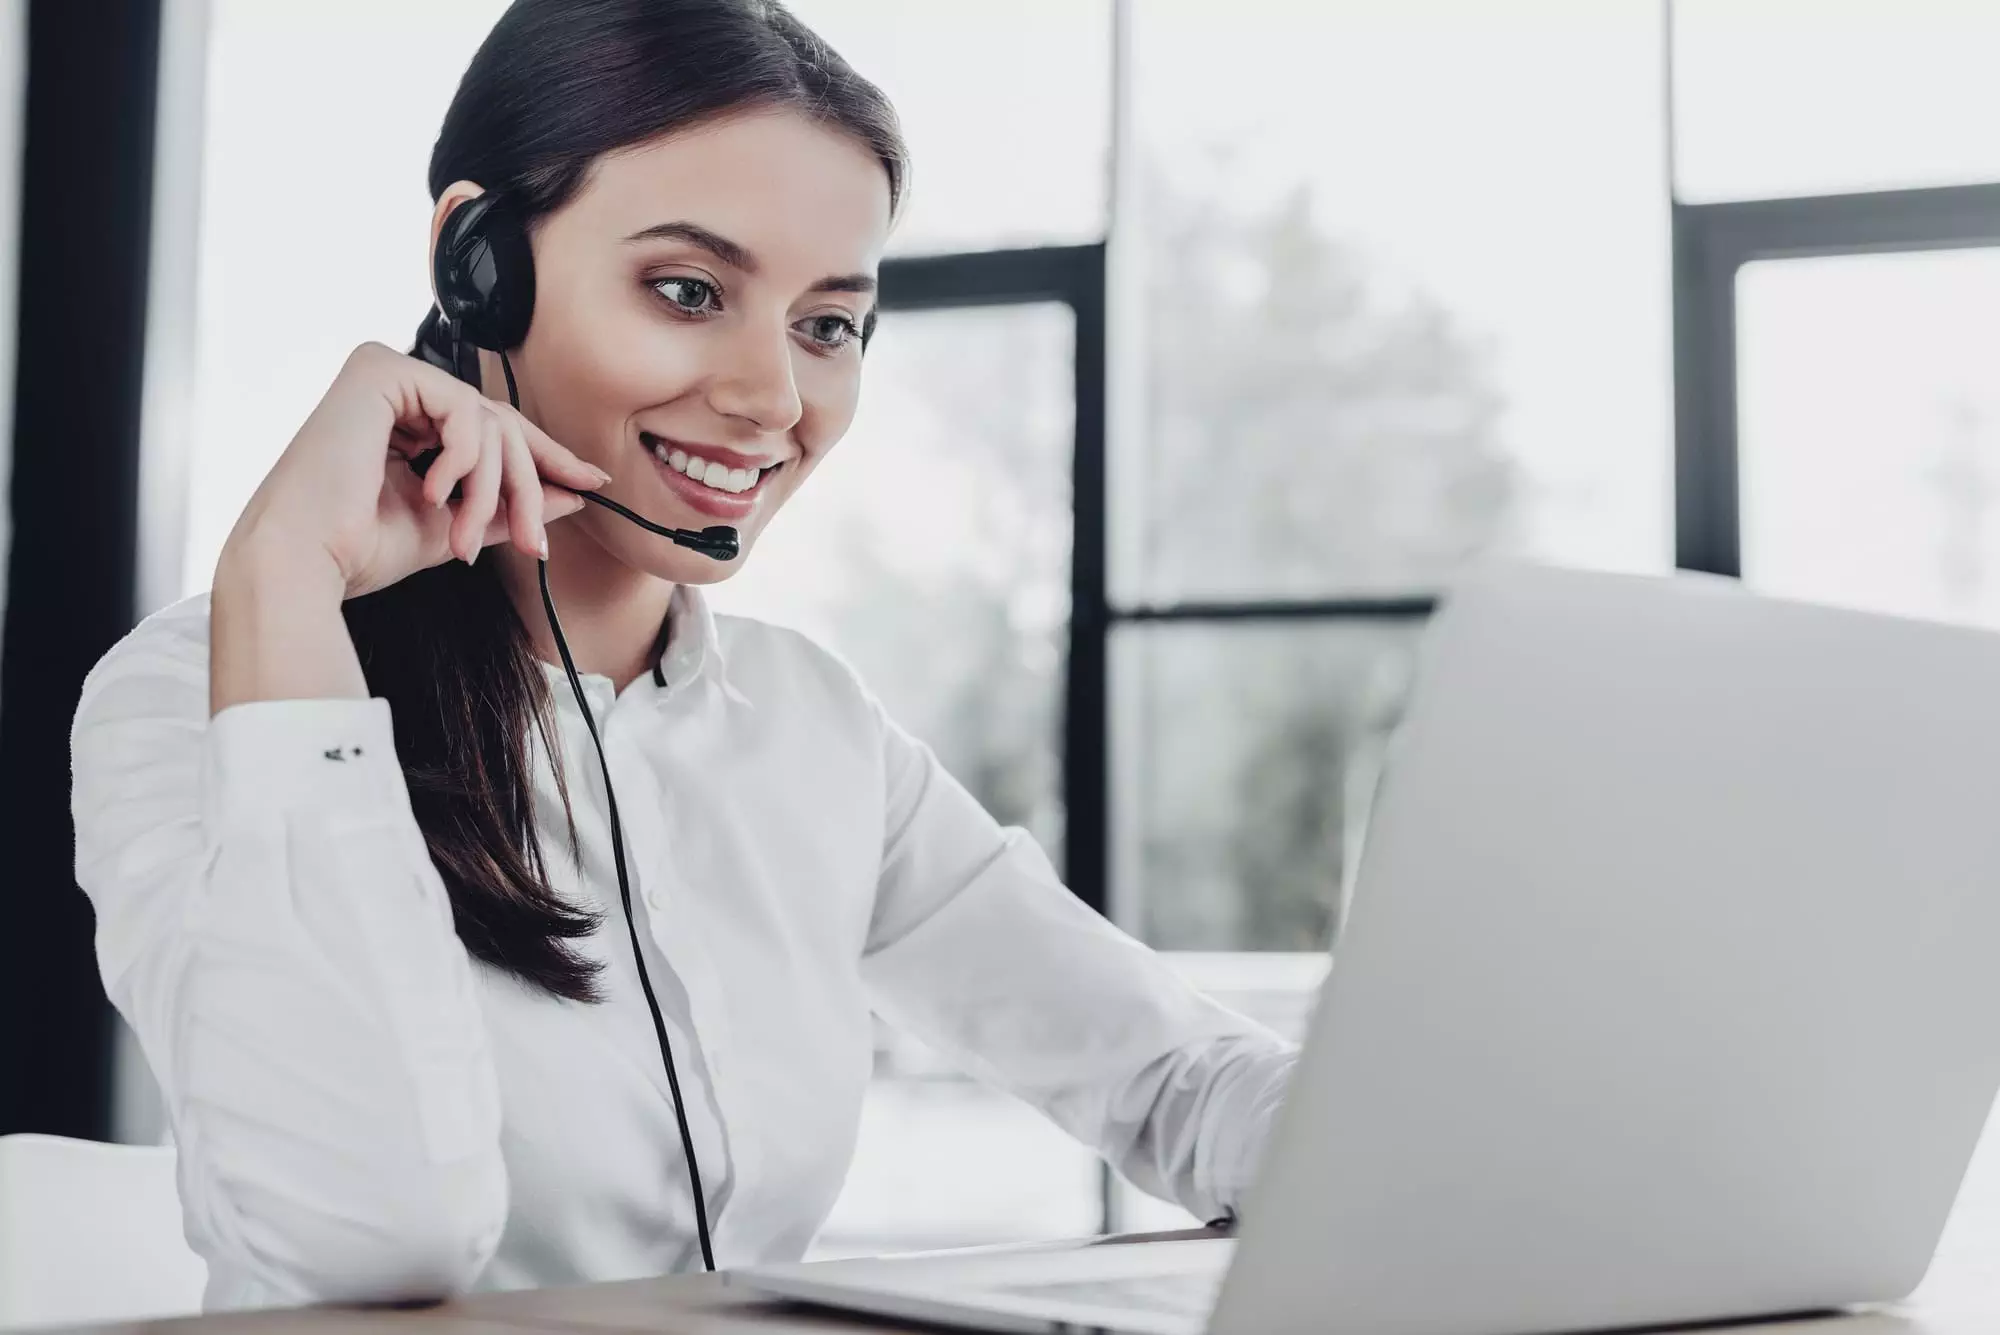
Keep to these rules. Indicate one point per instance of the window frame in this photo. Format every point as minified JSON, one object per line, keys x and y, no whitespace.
{"x":1711,"y":244}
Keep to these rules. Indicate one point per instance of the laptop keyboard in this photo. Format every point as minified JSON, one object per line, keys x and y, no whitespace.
{"x":1174,"y":1294}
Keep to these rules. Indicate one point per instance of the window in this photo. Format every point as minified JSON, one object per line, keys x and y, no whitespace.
{"x":1778,"y":98}
{"x":307,"y":102}
{"x":1401,"y":306}
{"x":1402,"y":303}
{"x":1007,"y":109}
{"x":1870,"y":430}
{"x":1247,"y":757}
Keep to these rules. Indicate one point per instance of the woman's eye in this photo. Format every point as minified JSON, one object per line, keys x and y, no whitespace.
{"x":832,"y":331}
{"x":691,"y":296}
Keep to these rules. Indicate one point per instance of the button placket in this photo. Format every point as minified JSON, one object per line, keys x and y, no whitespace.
{"x":674,"y":930}
{"x":667,"y":896}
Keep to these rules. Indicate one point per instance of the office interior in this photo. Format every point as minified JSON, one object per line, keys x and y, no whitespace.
{"x":1217,"y":340}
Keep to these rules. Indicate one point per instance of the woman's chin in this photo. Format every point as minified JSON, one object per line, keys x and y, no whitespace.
{"x":701,"y":570}
{"x":681,"y":566}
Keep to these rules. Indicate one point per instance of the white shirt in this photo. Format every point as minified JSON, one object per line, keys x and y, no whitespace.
{"x":362,"y":1111}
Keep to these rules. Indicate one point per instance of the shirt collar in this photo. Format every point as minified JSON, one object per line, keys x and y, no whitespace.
{"x":688,"y":650}
{"x":692,"y":647}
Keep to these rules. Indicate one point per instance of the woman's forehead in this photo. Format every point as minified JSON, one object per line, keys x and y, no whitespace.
{"x":798,"y":194}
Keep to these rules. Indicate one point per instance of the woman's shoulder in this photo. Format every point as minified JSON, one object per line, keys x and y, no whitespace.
{"x":769,"y":657}
{"x":160,"y":667}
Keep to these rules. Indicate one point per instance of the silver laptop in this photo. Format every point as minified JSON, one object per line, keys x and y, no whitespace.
{"x":1670,"y":992}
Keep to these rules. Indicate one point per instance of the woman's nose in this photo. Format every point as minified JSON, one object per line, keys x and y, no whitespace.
{"x":754,"y":380}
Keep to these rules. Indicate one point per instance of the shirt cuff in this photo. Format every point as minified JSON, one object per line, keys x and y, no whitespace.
{"x":271,"y":757}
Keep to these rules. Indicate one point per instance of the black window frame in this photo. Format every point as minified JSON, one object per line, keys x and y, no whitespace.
{"x":1711,"y":244}
{"x":1074,"y":276}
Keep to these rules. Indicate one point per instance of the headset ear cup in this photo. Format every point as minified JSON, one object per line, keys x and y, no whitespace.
{"x":483,"y":271}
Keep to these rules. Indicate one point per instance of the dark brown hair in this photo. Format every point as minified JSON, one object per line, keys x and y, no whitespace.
{"x":555,"y":86}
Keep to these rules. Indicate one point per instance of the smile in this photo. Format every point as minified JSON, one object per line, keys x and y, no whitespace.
{"x":716,"y":481}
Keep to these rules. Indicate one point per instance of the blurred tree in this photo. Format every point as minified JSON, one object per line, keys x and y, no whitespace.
{"x":1312,"y":433}
{"x":1308,"y":433}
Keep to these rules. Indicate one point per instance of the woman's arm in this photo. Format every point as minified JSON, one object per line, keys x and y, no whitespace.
{"x":341,"y":514}
{"x":275,"y":627}
{"x":268,"y":918}
{"x":979,"y":949}
{"x":270,"y":925}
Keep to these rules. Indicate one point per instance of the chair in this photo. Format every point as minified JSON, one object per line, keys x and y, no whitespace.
{"x":91,"y":1232}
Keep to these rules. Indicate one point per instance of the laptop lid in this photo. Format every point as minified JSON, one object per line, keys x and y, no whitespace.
{"x":1669,"y":988}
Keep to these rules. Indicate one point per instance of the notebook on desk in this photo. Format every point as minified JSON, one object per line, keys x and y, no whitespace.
{"x":1665,"y":995}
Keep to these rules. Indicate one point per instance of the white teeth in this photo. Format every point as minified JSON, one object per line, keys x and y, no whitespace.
{"x":708,"y":472}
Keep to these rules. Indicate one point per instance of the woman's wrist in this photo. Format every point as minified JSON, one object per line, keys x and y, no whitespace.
{"x":275,"y":626}
{"x":259,"y":562}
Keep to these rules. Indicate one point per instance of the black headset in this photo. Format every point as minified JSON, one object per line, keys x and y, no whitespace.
{"x":484,"y":274}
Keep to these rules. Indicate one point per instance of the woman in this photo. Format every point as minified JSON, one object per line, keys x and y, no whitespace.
{"x":351,"y":855}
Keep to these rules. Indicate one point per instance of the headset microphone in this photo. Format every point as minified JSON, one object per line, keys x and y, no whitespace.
{"x":718,"y":542}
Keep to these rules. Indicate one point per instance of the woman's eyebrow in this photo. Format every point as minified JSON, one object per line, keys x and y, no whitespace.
{"x":847,"y":282}
{"x":736,"y":257}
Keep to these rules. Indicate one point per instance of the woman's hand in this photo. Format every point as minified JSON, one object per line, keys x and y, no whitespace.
{"x":342,"y":513}
{"x":343,"y":489}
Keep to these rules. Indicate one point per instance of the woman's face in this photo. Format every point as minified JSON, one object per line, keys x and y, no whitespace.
{"x":697,"y":320}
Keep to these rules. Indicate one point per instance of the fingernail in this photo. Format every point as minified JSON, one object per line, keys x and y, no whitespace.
{"x":602,"y":476}
{"x":545,"y":547}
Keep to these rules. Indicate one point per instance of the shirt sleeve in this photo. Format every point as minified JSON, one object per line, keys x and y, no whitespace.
{"x":270,"y":925}
{"x":977,"y":948}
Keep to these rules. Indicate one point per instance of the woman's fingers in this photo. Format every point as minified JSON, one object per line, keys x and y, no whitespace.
{"x":461,"y":434}
{"x":523,"y":490}
{"x":503,"y":466}
{"x":481,"y":498}
{"x":557,"y":464}
{"x":557,"y":503}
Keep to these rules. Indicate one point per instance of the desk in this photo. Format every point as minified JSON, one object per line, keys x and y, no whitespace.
{"x":1960,"y":1296}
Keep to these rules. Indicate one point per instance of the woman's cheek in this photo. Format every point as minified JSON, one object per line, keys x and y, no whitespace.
{"x":830,"y":410}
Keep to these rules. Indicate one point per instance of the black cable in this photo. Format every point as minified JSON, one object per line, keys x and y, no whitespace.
{"x":631,"y":924}
{"x":618,"y":859}
{"x":639,"y":519}
{"x":513,"y":394}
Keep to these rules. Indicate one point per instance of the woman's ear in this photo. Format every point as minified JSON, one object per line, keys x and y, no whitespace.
{"x":454,"y":194}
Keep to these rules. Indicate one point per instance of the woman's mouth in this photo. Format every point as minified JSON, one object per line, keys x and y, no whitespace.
{"x":723,"y":484}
